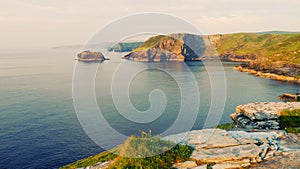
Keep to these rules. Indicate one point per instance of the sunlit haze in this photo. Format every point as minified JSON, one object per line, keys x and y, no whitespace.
{"x":48,"y":23}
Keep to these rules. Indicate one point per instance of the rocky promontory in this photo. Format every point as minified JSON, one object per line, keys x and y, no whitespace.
{"x":174,"y":47}
{"x":258,"y":140}
{"x":89,"y":56}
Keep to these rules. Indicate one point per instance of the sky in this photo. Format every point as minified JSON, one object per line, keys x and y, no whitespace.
{"x":50,"y":23}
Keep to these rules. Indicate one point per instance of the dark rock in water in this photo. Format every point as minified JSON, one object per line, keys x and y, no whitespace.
{"x":89,"y":56}
{"x":290,"y":97}
{"x":261,"y":115}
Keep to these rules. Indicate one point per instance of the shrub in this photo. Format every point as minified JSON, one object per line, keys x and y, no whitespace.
{"x":290,"y":120}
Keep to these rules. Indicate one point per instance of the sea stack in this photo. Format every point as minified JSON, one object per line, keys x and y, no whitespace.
{"x":90,"y":56}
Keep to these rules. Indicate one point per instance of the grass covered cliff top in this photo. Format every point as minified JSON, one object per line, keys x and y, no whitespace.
{"x":266,"y":47}
{"x":168,"y":154}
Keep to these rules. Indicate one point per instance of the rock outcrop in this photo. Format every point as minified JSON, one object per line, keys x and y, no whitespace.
{"x":234,"y":149}
{"x":89,"y":56}
{"x":261,"y":115}
{"x":175,"y":47}
{"x":290,"y":97}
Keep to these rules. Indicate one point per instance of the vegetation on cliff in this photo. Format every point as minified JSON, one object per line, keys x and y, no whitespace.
{"x":125,"y":46}
{"x":290,"y":120}
{"x":268,"y":53}
{"x":175,"y":47}
{"x":143,"y":147}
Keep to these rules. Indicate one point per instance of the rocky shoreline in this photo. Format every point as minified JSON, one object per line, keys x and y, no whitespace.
{"x":268,"y":75}
{"x":258,"y":140}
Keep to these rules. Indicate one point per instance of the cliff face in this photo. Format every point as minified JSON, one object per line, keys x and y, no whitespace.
{"x":158,"y":49}
{"x":176,"y":47}
{"x":267,"y":53}
{"x":88,"y":56}
{"x":188,"y":47}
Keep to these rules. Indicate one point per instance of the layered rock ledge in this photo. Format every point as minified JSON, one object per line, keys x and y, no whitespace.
{"x":268,"y":75}
{"x":218,"y":148}
{"x":261,"y":115}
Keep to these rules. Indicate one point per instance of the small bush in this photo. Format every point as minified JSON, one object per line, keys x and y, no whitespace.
{"x":168,"y":153}
{"x":290,"y":120}
{"x":226,"y":126}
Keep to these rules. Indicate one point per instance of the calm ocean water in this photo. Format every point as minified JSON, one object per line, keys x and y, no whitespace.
{"x":38,"y":124}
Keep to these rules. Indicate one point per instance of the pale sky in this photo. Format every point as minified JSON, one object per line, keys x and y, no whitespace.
{"x":48,"y":23}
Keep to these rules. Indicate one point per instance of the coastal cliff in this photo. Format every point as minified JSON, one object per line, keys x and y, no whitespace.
{"x":175,"y":47}
{"x":275,"y":56}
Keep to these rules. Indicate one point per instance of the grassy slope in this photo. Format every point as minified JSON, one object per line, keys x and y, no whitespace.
{"x":267,"y":47}
{"x":125,"y":46}
{"x":152,"y":42}
{"x":141,"y":147}
{"x":89,"y":161}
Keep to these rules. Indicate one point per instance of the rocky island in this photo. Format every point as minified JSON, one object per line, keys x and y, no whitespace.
{"x":89,"y":56}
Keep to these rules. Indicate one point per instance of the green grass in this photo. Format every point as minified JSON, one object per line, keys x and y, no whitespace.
{"x":166,"y":154}
{"x":102,"y":157}
{"x":155,"y":40}
{"x":290,"y":120}
{"x":125,"y":46}
{"x":226,"y":126}
{"x":270,"y":47}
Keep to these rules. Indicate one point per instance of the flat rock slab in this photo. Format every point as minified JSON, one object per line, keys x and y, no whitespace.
{"x":265,"y":110}
{"x":234,"y":153}
{"x":235,"y":149}
{"x":261,"y":115}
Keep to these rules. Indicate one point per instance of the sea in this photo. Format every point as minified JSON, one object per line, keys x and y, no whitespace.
{"x":39,"y":127}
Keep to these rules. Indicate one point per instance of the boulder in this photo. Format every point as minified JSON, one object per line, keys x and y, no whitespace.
{"x":261,"y":115}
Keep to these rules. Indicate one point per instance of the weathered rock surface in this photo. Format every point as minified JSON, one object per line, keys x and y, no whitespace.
{"x":236,"y":149}
{"x":261,"y":115}
{"x":186,"y":164}
{"x":266,"y":74}
{"x":290,"y":97}
{"x":100,"y":165}
{"x":89,"y":56}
